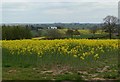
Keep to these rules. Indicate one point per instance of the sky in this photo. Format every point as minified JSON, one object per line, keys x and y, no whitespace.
{"x":56,"y":11}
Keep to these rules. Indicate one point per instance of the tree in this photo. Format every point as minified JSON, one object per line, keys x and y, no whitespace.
{"x":76,"y":32}
{"x":54,"y":34}
{"x":60,"y":27}
{"x":69,"y":32}
{"x":15,"y":32}
{"x":110,"y":23}
{"x":93,"y":30}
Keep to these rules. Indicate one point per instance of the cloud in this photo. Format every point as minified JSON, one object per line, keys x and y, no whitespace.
{"x":57,"y":11}
{"x":60,"y":0}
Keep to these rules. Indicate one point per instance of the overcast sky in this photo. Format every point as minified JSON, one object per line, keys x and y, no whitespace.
{"x":24,"y":11}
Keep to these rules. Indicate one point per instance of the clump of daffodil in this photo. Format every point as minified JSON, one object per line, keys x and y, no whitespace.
{"x":76,"y":47}
{"x":75,"y":56}
{"x":81,"y":57}
{"x":96,"y":56}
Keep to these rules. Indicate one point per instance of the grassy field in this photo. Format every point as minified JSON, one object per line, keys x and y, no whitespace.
{"x":68,"y":59}
{"x":84,"y":34}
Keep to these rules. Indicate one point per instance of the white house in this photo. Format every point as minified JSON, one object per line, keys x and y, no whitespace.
{"x":52,"y":27}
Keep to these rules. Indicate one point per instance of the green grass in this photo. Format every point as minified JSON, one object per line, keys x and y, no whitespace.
{"x":93,"y":36}
{"x":59,"y":67}
{"x":84,"y":34}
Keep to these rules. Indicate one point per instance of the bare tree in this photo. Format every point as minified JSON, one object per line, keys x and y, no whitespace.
{"x":110,"y":23}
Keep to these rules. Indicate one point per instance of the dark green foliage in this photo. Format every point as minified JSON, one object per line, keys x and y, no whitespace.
{"x":15,"y":32}
{"x":60,"y":27}
{"x":69,"y":32}
{"x":40,"y":32}
{"x":76,"y":32}
{"x":54,"y":34}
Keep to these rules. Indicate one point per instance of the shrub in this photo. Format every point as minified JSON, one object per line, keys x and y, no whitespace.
{"x":54,"y":34}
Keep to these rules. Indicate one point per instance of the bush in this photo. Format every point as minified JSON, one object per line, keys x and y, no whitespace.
{"x":76,"y":32}
{"x":54,"y":34}
{"x":69,"y":32}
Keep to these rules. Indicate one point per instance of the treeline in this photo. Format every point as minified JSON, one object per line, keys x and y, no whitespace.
{"x":15,"y":32}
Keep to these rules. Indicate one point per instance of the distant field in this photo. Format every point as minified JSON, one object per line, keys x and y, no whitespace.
{"x":84,"y":34}
{"x":68,"y":59}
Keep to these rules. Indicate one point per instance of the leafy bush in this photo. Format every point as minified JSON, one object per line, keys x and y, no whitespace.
{"x":69,"y":32}
{"x":76,"y":32}
{"x":54,"y":34}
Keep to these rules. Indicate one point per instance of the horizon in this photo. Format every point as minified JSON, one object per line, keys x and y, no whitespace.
{"x":57,"y":23}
